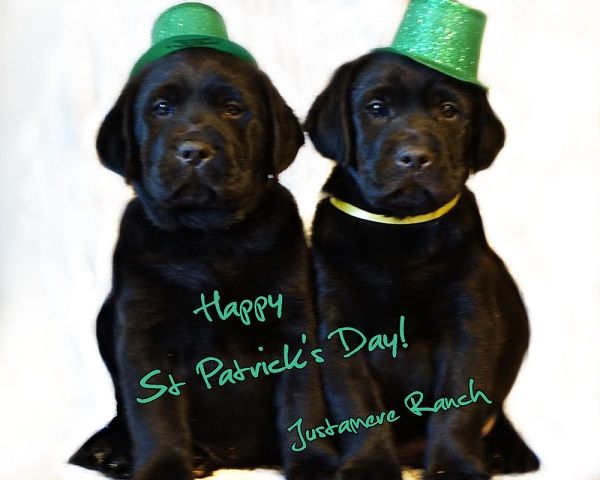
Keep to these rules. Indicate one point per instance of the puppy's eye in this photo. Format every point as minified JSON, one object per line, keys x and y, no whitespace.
{"x":378,"y":108}
{"x":233,"y":109}
{"x":162,"y":108}
{"x":448,"y":110}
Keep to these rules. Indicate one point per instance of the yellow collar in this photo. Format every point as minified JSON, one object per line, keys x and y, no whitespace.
{"x":374,"y":217}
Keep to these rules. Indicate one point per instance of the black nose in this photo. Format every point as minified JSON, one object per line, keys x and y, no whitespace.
{"x":413,"y":157}
{"x":194,"y":153}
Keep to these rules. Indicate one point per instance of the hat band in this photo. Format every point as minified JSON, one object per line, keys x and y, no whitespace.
{"x":173,"y":44}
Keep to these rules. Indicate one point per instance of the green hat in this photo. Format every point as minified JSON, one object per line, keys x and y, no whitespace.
{"x":189,"y":25}
{"x":444,"y":35}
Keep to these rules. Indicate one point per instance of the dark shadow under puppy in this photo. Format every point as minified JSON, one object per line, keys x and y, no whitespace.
{"x":201,"y":136}
{"x":405,"y":139}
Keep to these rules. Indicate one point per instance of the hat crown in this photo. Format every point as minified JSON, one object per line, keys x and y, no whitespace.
{"x":189,"y":25}
{"x":444,"y":35}
{"x":188,"y":19}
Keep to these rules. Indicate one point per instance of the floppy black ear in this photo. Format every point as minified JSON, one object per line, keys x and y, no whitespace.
{"x":329,"y":120}
{"x":286,"y":135}
{"x":116,"y":145}
{"x":489,"y":136}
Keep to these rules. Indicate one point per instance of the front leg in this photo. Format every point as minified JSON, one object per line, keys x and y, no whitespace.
{"x":482,"y":351}
{"x":352,"y":391}
{"x":159,"y":429}
{"x":300,"y":404}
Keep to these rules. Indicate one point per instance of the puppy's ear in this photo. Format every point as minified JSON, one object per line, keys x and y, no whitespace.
{"x":329,"y":120}
{"x":489,"y":136}
{"x":116,"y":145}
{"x":286,"y":135}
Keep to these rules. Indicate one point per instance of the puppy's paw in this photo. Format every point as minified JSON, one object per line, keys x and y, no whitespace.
{"x":365,"y":475}
{"x":441,"y":475}
{"x":107,"y":451}
{"x":512,"y":460}
{"x":113,"y":464}
{"x":370,"y":465}
{"x":305,"y":473}
{"x":202,"y":470}
{"x":165,"y":468}
{"x":507,"y":452}
{"x":319,"y":464}
{"x":369,"y":473}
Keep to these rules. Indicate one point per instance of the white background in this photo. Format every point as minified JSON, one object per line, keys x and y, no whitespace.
{"x":63,"y":64}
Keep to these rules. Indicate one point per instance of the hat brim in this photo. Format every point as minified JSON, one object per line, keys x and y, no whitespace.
{"x":172,"y":44}
{"x":436,"y":66}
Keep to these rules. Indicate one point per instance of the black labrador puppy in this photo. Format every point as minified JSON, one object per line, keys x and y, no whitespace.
{"x":405,"y":139}
{"x":211,"y":278}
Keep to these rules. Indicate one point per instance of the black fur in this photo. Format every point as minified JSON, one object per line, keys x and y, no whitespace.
{"x":213,"y":218}
{"x":400,"y":150}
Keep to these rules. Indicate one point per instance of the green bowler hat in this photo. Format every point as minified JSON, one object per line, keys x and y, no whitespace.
{"x":444,"y":35}
{"x":189,"y":25}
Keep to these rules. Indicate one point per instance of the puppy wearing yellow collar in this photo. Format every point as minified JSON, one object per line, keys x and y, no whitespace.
{"x":399,"y":234}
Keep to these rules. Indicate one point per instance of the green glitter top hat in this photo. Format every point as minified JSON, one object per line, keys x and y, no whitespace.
{"x":444,"y":35}
{"x":189,"y":25}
